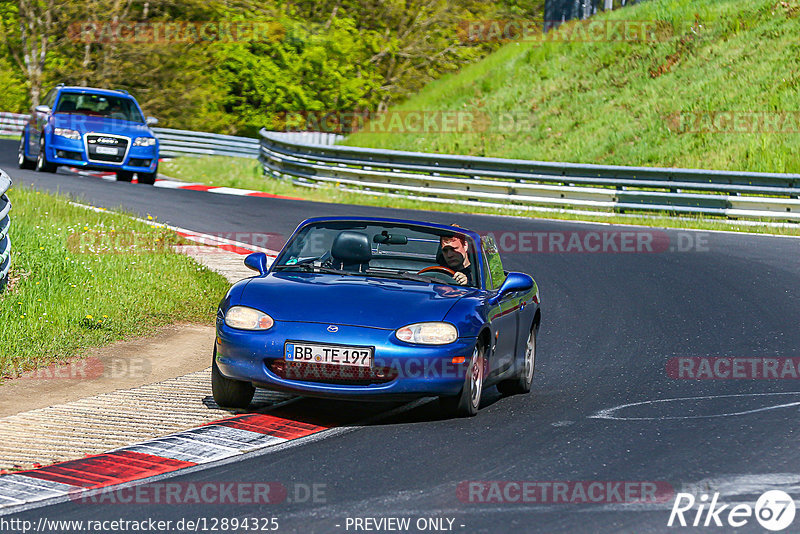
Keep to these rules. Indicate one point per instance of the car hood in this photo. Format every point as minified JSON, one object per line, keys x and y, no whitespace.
{"x":349,"y":300}
{"x":86,"y":123}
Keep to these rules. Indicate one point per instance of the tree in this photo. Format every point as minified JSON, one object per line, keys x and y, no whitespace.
{"x":28,"y":33}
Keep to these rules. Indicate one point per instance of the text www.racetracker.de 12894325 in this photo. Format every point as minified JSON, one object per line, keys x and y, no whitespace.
{"x":184,"y":524}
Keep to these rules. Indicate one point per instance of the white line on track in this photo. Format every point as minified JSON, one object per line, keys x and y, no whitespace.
{"x":609,"y":413}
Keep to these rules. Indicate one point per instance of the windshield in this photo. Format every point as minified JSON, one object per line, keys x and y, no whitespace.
{"x":382,"y":250}
{"x":113,"y":107}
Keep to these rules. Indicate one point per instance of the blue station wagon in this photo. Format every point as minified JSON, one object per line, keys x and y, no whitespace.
{"x":90,"y":128}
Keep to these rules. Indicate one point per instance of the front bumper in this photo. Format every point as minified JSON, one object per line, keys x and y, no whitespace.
{"x":418,"y":371}
{"x":72,"y":152}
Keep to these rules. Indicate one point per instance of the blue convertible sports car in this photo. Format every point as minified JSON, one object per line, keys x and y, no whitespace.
{"x":378,"y":309}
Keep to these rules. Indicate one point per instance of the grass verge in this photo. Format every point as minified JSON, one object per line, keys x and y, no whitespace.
{"x":716,"y":88}
{"x":68,"y":293}
{"x":246,"y":174}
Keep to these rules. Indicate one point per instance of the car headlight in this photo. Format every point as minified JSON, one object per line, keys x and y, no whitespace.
{"x":246,"y":318}
{"x":66,"y":132}
{"x":144,"y":141}
{"x":428,"y":333}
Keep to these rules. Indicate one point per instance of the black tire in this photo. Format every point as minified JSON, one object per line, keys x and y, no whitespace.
{"x":468,"y":402}
{"x":521,"y":383}
{"x":148,"y":178}
{"x":124,"y":176}
{"x":42,"y":165}
{"x":22,"y":161}
{"x":229,"y":393}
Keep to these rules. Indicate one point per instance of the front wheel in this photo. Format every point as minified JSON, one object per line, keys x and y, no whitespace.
{"x":22,"y":161}
{"x":522,"y":382}
{"x":42,"y":165}
{"x":148,"y":178}
{"x":468,"y":402}
{"x":227,"y":392}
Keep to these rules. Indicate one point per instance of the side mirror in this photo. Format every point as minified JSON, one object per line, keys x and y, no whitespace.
{"x":258,"y":262}
{"x":151,"y":121}
{"x":513,"y":282}
{"x":41,"y":108}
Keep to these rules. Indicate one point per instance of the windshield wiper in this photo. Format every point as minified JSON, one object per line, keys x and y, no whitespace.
{"x":301,"y":266}
{"x":305,"y":264}
{"x":331,"y":270}
{"x":309,"y":268}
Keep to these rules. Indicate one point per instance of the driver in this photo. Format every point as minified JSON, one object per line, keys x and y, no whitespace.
{"x":116,"y":111}
{"x":454,"y":251}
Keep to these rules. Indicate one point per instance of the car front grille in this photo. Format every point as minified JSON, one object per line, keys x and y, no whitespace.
{"x":98,"y":143}
{"x":331,"y":374}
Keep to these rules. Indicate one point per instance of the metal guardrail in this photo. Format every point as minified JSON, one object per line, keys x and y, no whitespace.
{"x":12,"y":123}
{"x":5,"y":225}
{"x":310,"y":138}
{"x":534,"y":184}
{"x":189,"y":143}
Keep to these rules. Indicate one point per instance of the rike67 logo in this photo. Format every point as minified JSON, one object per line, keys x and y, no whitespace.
{"x":774,"y":510}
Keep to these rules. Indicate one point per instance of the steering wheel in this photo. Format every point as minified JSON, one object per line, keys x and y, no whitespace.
{"x":438,"y":269}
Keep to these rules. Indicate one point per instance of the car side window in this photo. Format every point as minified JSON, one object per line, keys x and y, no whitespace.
{"x":486,"y":269}
{"x":495,"y":265}
{"x":50,"y":98}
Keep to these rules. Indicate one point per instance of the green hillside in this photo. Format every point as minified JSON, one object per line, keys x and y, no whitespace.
{"x":616,"y":102}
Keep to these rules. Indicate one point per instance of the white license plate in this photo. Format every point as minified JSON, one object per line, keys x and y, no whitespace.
{"x":106,"y":150}
{"x":329,"y":354}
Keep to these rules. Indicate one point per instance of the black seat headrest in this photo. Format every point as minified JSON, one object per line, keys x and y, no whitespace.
{"x":351,"y":247}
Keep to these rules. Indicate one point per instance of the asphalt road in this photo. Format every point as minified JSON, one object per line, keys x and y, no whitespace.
{"x":611,"y":323}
